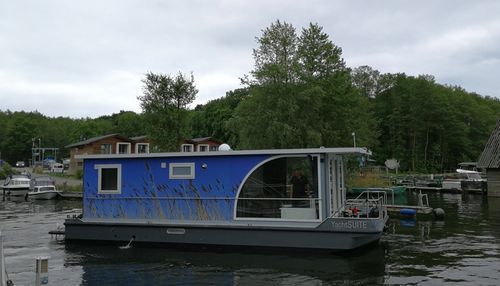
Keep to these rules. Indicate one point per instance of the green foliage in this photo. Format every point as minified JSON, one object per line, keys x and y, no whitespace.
{"x":429,"y":127}
{"x":164,"y":102}
{"x":5,"y":170}
{"x":79,"y":174}
{"x":302,"y":95}
{"x":212,"y":119}
{"x":20,"y":131}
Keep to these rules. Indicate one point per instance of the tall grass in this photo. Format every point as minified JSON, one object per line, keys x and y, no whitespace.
{"x":367,"y":180}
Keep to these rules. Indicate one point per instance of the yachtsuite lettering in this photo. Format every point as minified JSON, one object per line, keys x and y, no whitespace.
{"x":350,"y":224}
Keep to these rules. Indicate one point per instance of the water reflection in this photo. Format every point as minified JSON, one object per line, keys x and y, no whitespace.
{"x":166,"y":266}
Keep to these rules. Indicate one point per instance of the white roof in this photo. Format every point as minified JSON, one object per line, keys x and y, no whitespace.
{"x":338,"y":151}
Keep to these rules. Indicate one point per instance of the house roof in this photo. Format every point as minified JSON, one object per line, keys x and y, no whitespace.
{"x":95,"y":139}
{"x":203,"y":139}
{"x":138,"y":138}
{"x":490,"y":158}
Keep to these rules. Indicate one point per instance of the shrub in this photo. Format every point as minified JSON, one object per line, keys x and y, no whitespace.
{"x":79,"y":174}
{"x":5,"y":170}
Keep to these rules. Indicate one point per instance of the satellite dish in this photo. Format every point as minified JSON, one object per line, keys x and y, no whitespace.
{"x":392,"y":164}
{"x":224,"y":147}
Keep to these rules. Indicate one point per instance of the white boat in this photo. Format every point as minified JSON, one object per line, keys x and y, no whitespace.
{"x":43,"y":193}
{"x":464,"y":180}
{"x":43,"y":188}
{"x":16,"y":185}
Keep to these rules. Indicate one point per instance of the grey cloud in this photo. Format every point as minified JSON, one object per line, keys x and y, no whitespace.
{"x":76,"y":53}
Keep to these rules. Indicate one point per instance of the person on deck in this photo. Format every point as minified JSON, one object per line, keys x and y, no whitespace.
{"x":300,"y":187}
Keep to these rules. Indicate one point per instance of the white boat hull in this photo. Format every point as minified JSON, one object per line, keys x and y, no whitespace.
{"x":16,"y":192}
{"x":49,"y":195}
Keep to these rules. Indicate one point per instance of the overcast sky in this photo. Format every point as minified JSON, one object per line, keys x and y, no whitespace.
{"x":87,"y":58}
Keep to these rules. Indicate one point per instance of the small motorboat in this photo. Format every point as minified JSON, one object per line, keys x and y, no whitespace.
{"x":43,"y":188}
{"x":43,"y":192}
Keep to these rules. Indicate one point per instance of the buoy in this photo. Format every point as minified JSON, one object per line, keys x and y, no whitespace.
{"x":439,"y":213}
{"x":408,"y":212}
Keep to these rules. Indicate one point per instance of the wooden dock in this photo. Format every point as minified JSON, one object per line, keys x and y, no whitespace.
{"x":71,"y":195}
{"x":441,"y":190}
{"x":418,"y":209}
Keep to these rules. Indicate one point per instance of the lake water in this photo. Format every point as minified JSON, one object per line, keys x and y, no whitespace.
{"x":462,"y":249}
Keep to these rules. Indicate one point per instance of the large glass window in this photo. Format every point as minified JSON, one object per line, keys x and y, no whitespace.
{"x":282,"y":188}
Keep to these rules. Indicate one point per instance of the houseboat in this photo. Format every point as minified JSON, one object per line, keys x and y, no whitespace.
{"x":292,"y":198}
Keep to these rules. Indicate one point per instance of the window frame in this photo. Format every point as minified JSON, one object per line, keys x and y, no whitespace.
{"x":204,"y":145}
{"x":103,"y":148}
{"x":141,"y":144}
{"x":172,"y":176}
{"x":187,"y":145}
{"x":319,"y":198}
{"x":129,"y":147}
{"x":99,"y":168}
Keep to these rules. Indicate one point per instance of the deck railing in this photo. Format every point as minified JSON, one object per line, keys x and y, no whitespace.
{"x":369,"y":204}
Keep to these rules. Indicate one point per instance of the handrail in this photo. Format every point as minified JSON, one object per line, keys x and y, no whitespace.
{"x":367,"y":203}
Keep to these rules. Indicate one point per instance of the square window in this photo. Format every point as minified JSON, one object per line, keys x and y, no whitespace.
{"x":123,"y":148}
{"x":105,"y":148}
{"x":181,"y":171}
{"x":109,"y":178}
{"x":187,"y":148}
{"x":142,"y":148}
{"x":203,"y":148}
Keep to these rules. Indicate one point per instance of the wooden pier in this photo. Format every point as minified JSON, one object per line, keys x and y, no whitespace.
{"x":71,"y":195}
{"x":418,"y":209}
{"x":441,"y":190}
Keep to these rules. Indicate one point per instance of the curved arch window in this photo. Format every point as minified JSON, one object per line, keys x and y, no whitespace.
{"x":282,"y":188}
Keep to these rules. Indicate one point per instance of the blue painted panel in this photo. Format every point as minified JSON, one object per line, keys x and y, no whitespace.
{"x":148,"y":193}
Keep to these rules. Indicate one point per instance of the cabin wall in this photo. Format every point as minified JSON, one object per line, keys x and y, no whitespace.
{"x":493,"y":176}
{"x":148,"y":193}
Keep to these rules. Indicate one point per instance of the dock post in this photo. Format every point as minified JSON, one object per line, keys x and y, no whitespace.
{"x":42,"y":271}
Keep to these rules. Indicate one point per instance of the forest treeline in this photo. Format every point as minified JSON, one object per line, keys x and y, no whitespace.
{"x":299,"y":94}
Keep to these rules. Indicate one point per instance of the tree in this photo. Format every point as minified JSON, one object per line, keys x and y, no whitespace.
{"x":295,"y":100}
{"x":317,"y":56}
{"x":276,"y":56}
{"x":212,"y":118}
{"x":164,"y":102}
